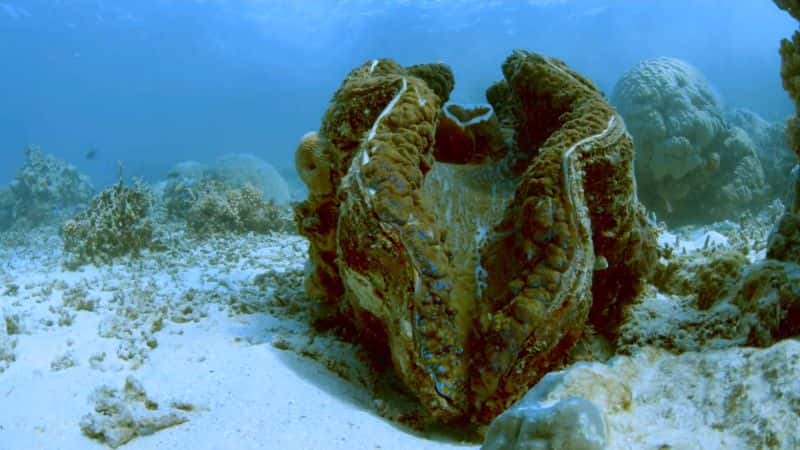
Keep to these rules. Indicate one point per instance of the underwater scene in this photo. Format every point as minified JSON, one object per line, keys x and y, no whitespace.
{"x":399,"y":224}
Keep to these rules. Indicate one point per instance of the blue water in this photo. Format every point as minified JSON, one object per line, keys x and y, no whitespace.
{"x":154,"y":82}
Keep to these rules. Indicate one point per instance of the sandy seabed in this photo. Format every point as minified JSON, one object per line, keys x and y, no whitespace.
{"x":196,"y":347}
{"x":208,"y":345}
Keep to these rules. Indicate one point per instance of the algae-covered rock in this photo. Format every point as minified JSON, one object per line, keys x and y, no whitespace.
{"x":216,"y":208}
{"x":473,"y":270}
{"x":690,"y":164}
{"x":45,"y":187}
{"x":742,"y":398}
{"x":115,"y":224}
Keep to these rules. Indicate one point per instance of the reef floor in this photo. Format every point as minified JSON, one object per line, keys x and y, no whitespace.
{"x":202,"y":346}
{"x":209,"y":345}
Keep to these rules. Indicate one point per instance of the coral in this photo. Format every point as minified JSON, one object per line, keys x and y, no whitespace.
{"x":177,"y":193}
{"x":790,"y":74}
{"x":759,"y":306}
{"x":474,"y":279}
{"x":784,"y":241}
{"x":216,"y":208}
{"x":239,"y":169}
{"x":769,"y":140}
{"x":116,"y":223}
{"x":690,"y":164}
{"x":45,"y":187}
{"x":6,"y":208}
{"x":706,"y":276}
{"x":121,"y":416}
{"x":533,"y":422}
{"x":735,"y":398}
{"x":770,"y":292}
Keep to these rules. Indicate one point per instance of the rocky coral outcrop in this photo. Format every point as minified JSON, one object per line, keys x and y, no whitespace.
{"x":790,"y":73}
{"x":215,"y":208}
{"x":784,"y":241}
{"x":115,"y":224}
{"x":237,"y":170}
{"x":473,"y":279}
{"x":6,"y":208}
{"x":44,"y":188}
{"x":536,"y":421}
{"x":735,"y":398}
{"x":769,"y":138}
{"x":690,"y":164}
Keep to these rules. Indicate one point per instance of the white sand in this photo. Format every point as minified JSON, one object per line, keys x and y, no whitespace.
{"x":223,"y":372}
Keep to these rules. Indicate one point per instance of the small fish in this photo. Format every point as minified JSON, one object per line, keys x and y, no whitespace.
{"x":91,"y":153}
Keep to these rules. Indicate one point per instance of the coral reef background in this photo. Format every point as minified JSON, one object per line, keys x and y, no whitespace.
{"x":252,"y":76}
{"x":569,"y":232}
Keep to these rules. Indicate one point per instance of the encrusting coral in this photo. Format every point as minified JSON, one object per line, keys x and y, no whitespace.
{"x":477,"y":274}
{"x":690,"y":164}
{"x":116,"y":223}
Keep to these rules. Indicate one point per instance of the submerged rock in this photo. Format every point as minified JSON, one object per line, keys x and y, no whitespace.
{"x":536,"y":422}
{"x":734,"y":398}
{"x":473,"y":279}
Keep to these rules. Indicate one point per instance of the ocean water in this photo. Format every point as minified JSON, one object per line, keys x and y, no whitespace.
{"x":158,"y":231}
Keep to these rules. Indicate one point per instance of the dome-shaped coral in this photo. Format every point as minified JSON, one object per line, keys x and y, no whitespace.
{"x":687,"y":157}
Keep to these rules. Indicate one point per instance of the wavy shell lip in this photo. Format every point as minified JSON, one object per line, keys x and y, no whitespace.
{"x":469,"y":257}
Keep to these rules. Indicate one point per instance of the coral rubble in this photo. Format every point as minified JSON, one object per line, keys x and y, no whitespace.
{"x":474,"y":273}
{"x":734,"y":398}
{"x":690,"y":164}
{"x":121,"y":416}
{"x":116,"y":223}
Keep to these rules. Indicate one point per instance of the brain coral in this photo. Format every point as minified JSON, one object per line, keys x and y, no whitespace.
{"x":473,"y":279}
{"x":689,"y":163}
